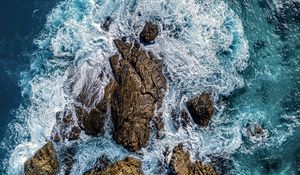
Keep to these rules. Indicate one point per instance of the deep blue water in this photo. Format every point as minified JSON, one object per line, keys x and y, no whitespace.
{"x":21,"y":22}
{"x":269,"y":97}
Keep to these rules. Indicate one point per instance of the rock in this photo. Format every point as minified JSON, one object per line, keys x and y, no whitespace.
{"x":185,"y":118}
{"x":68,"y":159}
{"x":181,"y":164}
{"x":65,"y":127}
{"x":128,"y":166}
{"x":139,"y":92}
{"x":256,"y":130}
{"x":256,"y":133}
{"x":159,"y":125}
{"x":43,"y":162}
{"x":101,"y":163}
{"x":75,"y":133}
{"x":92,"y":122}
{"x":149,"y":33}
{"x":201,"y":109}
{"x":105,"y":26}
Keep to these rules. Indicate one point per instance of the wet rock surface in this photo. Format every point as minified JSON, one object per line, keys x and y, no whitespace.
{"x":92,"y":122}
{"x":128,"y":166}
{"x":100,"y":165}
{"x":149,"y":32}
{"x":181,"y":164}
{"x":201,"y":109}
{"x":43,"y":162}
{"x":139,"y":92}
{"x":69,"y":125}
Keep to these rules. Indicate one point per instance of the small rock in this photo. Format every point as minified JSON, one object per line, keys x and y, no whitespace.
{"x":75,"y":133}
{"x":201,"y":109}
{"x":128,"y":166}
{"x":149,"y":33}
{"x":181,"y":164}
{"x":105,"y":26}
{"x":43,"y":162}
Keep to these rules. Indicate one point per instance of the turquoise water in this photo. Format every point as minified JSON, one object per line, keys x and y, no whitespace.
{"x":271,"y":94}
{"x":245,"y":52}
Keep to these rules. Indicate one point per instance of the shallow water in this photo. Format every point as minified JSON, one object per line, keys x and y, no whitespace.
{"x":244,"y":52}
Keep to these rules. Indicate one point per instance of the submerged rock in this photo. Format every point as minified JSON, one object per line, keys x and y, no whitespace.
{"x":139,"y":92}
{"x":201,"y":109}
{"x":43,"y":162}
{"x":181,"y":164}
{"x":149,"y":32}
{"x":106,"y":24}
{"x":128,"y":166}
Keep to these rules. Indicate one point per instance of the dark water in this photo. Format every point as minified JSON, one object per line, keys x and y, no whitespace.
{"x":269,"y":98}
{"x":21,"y":22}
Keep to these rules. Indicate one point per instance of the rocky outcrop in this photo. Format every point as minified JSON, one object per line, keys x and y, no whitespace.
{"x":201,"y":109}
{"x":43,"y":162}
{"x":140,"y":90}
{"x":128,"y":166}
{"x":181,"y":164}
{"x":149,"y":32}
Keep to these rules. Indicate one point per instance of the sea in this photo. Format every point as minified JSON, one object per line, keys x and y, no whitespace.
{"x":246,"y":53}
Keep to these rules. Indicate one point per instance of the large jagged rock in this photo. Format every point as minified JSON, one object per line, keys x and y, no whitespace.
{"x":149,"y":32}
{"x":201,"y":109}
{"x":43,"y":162}
{"x":128,"y":166}
{"x":181,"y":164}
{"x":140,"y":90}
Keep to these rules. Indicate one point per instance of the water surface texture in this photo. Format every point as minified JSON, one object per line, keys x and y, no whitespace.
{"x":247,"y":53}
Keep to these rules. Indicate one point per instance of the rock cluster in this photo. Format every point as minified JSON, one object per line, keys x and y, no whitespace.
{"x":181,"y":164}
{"x":43,"y":162}
{"x":128,"y":166}
{"x":134,"y":95}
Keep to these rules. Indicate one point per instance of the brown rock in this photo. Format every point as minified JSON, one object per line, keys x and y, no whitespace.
{"x":181,"y":164}
{"x":92,"y":122}
{"x":150,"y":32}
{"x":75,"y":133}
{"x":185,"y":118}
{"x":140,"y":89}
{"x":43,"y":162}
{"x":201,"y":109}
{"x":128,"y":166}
